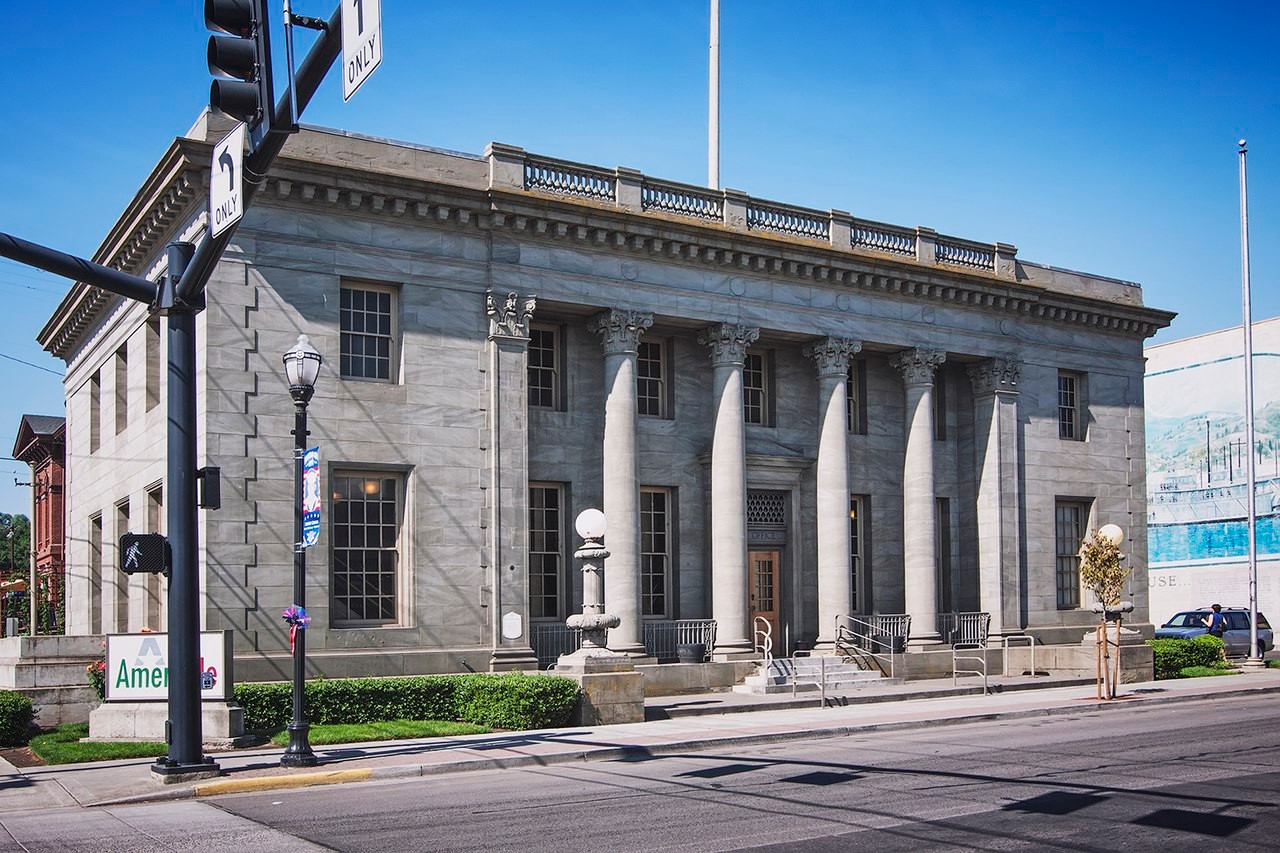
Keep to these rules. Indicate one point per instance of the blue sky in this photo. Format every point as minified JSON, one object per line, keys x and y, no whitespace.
{"x":1097,"y":136}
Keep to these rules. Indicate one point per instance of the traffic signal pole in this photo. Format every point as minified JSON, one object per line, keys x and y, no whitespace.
{"x":180,"y":296}
{"x":315,"y":66}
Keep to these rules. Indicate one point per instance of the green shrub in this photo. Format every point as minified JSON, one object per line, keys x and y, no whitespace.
{"x":505,"y":701}
{"x":1173,"y":655}
{"x":1201,"y":671}
{"x":516,"y":701}
{"x":16,"y":714}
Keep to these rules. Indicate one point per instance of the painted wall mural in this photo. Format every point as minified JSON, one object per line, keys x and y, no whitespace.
{"x":1196,"y":471}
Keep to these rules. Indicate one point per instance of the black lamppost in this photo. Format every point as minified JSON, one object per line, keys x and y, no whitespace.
{"x":301,"y":366}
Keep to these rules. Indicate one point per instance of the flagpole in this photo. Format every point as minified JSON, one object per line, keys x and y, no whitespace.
{"x":713,"y":107}
{"x":1254,"y":658}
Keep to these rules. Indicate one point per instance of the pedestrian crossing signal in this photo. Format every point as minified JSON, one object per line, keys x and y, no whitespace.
{"x":144,"y":553}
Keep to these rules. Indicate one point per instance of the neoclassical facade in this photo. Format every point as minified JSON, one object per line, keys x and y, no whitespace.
{"x":789,"y":416}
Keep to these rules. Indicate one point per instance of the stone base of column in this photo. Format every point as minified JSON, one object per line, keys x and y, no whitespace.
{"x":824,"y":648}
{"x":636,"y":651}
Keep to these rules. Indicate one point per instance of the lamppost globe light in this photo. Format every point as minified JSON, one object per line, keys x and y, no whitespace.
{"x":1112,"y":533}
{"x":302,"y":364}
{"x":591,"y":524}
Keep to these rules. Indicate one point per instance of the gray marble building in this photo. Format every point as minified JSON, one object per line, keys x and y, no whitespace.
{"x":790,"y":417}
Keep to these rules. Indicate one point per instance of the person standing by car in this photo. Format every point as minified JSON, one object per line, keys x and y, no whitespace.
{"x":1215,"y":622}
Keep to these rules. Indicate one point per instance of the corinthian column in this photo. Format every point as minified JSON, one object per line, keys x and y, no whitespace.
{"x":995,"y":415}
{"x":620,"y":333}
{"x":835,"y":567}
{"x":728,"y":343}
{"x":919,"y":511}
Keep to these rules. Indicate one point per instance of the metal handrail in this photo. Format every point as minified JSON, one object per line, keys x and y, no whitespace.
{"x":956,"y":657}
{"x":763,"y":640}
{"x":1004,"y":644}
{"x":864,"y":639}
{"x":822,"y":679}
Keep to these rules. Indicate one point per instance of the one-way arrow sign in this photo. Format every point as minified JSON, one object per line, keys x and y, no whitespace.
{"x":226,"y":184}
{"x":361,"y":42}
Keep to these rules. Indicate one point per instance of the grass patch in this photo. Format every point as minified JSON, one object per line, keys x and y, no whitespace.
{"x":1273,"y":664}
{"x":1202,"y":671}
{"x":327,"y":734}
{"x":63,"y":746}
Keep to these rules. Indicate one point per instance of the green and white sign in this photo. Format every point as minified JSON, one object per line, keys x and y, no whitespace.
{"x":138,"y":667}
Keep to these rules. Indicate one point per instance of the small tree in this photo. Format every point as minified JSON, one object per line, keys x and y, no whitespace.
{"x":1103,"y":573}
{"x":1102,"y":569}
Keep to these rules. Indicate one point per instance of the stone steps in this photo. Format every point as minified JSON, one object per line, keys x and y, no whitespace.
{"x":783,"y":675}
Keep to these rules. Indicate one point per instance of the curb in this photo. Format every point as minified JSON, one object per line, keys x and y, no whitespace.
{"x":615,"y":753}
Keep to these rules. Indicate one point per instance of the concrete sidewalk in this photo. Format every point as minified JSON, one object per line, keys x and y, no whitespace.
{"x":720,"y":721}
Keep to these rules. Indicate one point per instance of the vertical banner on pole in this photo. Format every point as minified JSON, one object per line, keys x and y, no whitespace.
{"x":310,"y":497}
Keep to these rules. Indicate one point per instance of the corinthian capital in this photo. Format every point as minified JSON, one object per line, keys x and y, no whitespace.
{"x":832,"y":355}
{"x":917,"y":365}
{"x":510,"y":319}
{"x":620,"y":330}
{"x":995,"y":374}
{"x":728,"y":342}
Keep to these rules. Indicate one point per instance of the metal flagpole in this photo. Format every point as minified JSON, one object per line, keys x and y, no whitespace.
{"x":713,"y":107}
{"x":1254,"y":658}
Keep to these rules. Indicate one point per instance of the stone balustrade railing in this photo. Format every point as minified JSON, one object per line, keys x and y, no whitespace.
{"x":514,"y":169}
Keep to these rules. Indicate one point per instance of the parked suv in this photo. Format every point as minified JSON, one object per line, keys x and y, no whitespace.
{"x":1190,"y":623}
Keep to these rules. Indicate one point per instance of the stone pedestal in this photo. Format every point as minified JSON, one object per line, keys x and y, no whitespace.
{"x":222,"y":723}
{"x":612,"y":690}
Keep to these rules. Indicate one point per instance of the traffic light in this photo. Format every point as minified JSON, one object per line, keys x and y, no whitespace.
{"x":243,"y":58}
{"x":144,"y":553}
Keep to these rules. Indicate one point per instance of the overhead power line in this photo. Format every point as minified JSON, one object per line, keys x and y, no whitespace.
{"x":29,"y":364}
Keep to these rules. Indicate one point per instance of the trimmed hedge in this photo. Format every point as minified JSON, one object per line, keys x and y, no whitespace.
{"x":1172,"y":655}
{"x":16,"y":714}
{"x":508,"y":701}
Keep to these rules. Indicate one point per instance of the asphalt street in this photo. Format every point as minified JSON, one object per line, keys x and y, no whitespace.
{"x":1193,"y":775}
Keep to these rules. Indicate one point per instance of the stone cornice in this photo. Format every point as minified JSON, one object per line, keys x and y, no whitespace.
{"x":619,"y":329}
{"x":577,"y":221}
{"x":172,"y":191}
{"x":355,"y":186}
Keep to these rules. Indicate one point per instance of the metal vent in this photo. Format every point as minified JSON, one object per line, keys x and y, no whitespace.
{"x":767,"y":510}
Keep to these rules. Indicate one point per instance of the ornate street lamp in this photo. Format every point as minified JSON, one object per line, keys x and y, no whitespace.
{"x":301,"y":366}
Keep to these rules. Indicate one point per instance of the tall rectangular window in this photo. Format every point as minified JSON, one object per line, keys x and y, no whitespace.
{"x":939,"y":406}
{"x":943,"y":545}
{"x":155,"y":524}
{"x":1069,"y":408}
{"x":655,"y":552}
{"x":857,"y":553}
{"x":120,"y":587}
{"x":95,"y":411}
{"x":546,"y":551}
{"x":544,"y":367}
{"x":856,"y":397}
{"x":122,"y":388}
{"x":755,"y":389}
{"x":366,"y":513}
{"x":367,"y":319}
{"x":1069,"y":521}
{"x":95,"y":574}
{"x":152,"y":330}
{"x":651,"y":379}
